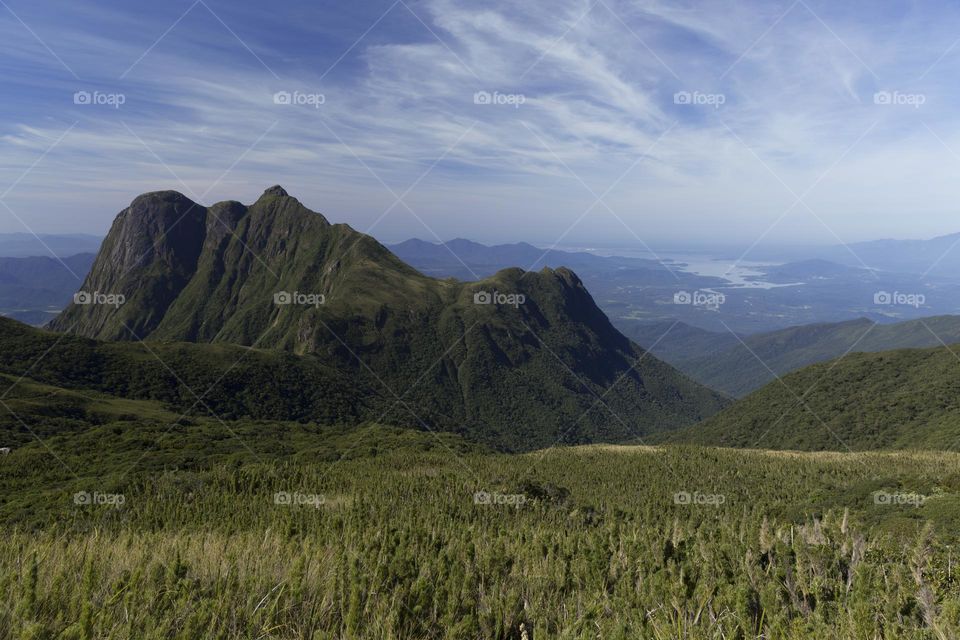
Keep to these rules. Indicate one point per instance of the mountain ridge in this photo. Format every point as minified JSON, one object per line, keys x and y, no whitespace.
{"x":524,"y":357}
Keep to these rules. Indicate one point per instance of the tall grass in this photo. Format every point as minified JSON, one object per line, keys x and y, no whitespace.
{"x":398,"y":547}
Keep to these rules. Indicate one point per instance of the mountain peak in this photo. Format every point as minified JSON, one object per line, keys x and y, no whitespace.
{"x":276,"y":190}
{"x":279,"y":276}
{"x":158,"y":197}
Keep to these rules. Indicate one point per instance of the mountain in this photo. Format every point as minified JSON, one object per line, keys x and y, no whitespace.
{"x":22,"y":245}
{"x":34,"y":289}
{"x":904,"y":399}
{"x":805,"y":270}
{"x":468,"y":260}
{"x":721,"y":361}
{"x":519,"y":359}
{"x":936,"y":256}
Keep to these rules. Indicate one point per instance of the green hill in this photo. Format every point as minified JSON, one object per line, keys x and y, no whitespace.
{"x":531,"y":370}
{"x":228,"y":381}
{"x":905,"y":399}
{"x":232,"y":382}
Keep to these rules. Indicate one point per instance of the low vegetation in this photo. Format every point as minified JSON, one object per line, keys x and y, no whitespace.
{"x":129,"y":531}
{"x":905,"y":399}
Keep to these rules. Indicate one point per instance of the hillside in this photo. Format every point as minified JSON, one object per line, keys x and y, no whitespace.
{"x":722,"y":362}
{"x":220,"y":381}
{"x":228,"y":381}
{"x":541,"y":366}
{"x":905,"y":399}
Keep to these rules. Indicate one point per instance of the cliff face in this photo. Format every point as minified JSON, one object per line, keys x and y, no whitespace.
{"x":148,"y":257}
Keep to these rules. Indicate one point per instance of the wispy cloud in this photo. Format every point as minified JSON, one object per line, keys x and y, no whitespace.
{"x":778,"y":94}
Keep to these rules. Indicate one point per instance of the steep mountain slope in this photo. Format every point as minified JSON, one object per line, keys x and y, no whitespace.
{"x":722,"y":362}
{"x":540,"y":364}
{"x":907,"y":399}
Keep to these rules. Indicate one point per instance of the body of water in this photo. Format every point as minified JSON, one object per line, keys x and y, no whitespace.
{"x":737,"y":273}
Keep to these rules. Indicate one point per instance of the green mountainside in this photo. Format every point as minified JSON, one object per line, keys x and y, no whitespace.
{"x":228,"y":381}
{"x":541,"y":367}
{"x":904,"y":399}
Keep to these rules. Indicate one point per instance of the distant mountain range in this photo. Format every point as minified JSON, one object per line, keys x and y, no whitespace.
{"x":939,"y":256}
{"x":468,"y":260}
{"x":20,"y":245}
{"x":35,"y":289}
{"x":721,"y":361}
{"x":795,"y":289}
{"x":518,"y":359}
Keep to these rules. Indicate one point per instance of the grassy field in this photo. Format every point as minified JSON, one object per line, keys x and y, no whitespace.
{"x":420,"y":538}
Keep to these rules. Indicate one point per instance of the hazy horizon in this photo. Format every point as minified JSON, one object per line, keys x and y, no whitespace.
{"x":662,"y":246}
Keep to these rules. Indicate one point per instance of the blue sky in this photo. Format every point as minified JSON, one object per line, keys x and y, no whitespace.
{"x":608,"y":122}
